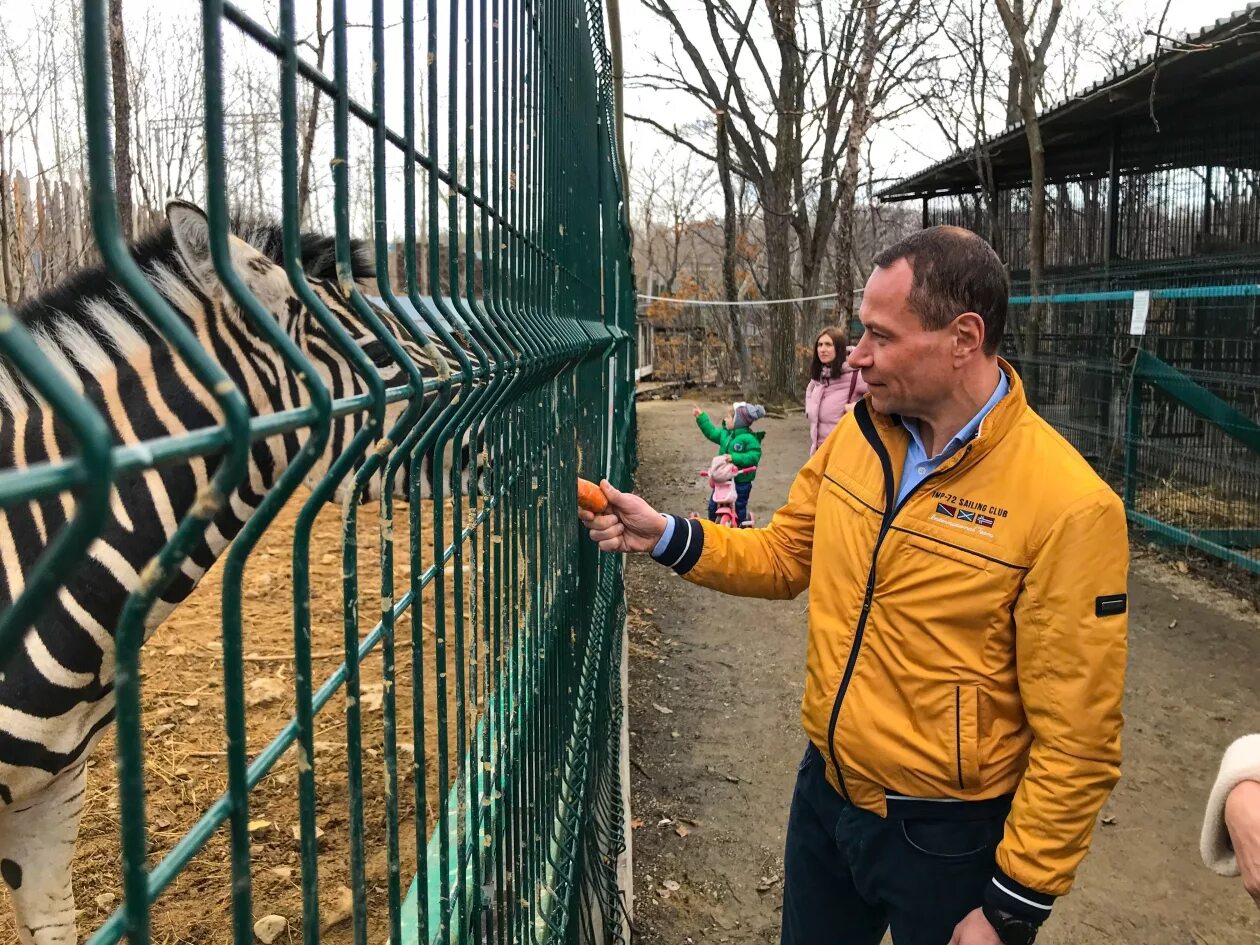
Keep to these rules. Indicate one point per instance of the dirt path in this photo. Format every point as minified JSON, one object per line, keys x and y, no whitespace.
{"x":716,"y":738}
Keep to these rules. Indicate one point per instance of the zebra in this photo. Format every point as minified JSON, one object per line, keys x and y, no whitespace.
{"x":56,"y":692}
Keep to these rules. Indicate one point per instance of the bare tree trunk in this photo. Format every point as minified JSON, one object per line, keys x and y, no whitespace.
{"x":312,"y":119}
{"x":122,"y":117}
{"x":748,"y":384}
{"x":1036,"y":239}
{"x":10,"y":297}
{"x":847,"y":197}
{"x":1031,"y":65}
{"x":782,"y":385}
{"x":1012,"y":93}
{"x":777,"y":203}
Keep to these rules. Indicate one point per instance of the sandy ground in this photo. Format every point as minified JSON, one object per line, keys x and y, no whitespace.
{"x":186,"y":771}
{"x":714,"y":690}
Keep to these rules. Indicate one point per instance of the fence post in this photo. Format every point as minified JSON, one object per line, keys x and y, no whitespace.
{"x":1132,"y":430}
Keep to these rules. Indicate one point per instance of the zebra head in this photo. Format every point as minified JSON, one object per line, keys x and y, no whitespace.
{"x":257,"y":257}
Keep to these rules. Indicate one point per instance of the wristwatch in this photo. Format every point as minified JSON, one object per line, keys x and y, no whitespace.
{"x":1010,"y":928}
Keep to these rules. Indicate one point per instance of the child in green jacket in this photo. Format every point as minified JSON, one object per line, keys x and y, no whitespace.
{"x":741,"y":444}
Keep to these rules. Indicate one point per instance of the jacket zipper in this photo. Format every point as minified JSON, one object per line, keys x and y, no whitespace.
{"x":890,"y":512}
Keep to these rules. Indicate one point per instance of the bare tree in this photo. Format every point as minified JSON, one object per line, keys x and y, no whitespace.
{"x":122,"y":117}
{"x":25,"y":88}
{"x":671,"y":198}
{"x":320,"y":47}
{"x":167,"y":95}
{"x":968,"y":94}
{"x":1098,"y":38}
{"x":859,"y":123}
{"x":783,"y":117}
{"x":1028,"y":52}
{"x":730,"y":222}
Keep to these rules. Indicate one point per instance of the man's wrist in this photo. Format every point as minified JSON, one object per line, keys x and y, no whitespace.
{"x":680,"y":544}
{"x":1006,"y":896}
{"x":1010,"y":929}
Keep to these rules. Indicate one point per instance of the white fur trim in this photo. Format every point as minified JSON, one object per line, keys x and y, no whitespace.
{"x":1240,"y":763}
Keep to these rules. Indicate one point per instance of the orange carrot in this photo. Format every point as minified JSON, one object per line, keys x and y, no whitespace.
{"x":591,"y":497}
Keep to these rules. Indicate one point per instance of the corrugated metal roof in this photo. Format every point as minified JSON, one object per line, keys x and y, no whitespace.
{"x":910,"y":186}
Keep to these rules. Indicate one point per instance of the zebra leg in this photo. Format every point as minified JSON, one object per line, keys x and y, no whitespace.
{"x":37,"y":837}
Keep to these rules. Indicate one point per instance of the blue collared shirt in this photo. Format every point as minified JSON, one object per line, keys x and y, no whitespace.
{"x":918,"y":466}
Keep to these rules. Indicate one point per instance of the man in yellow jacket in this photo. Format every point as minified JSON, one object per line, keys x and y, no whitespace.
{"x":967,"y":625}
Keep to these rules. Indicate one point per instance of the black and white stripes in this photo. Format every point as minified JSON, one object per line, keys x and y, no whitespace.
{"x":56,"y":693}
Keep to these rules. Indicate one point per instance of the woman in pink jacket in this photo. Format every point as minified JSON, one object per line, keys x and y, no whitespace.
{"x":834,"y":387}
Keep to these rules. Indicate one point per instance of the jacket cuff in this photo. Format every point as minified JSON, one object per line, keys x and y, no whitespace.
{"x":684,"y":547}
{"x":1016,"y":898}
{"x":1241,"y":763}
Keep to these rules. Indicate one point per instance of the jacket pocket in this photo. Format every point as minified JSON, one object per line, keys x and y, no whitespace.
{"x":941,"y":551}
{"x":952,"y":839}
{"x":967,"y":737}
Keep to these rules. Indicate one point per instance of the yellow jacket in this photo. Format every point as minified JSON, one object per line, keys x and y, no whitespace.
{"x":969,"y":645}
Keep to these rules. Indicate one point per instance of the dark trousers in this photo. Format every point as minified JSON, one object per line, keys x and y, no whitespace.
{"x":742,"y":491}
{"x":850,"y":875}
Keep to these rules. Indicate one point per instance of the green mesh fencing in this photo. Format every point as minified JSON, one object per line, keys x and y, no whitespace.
{"x":1164,"y":407}
{"x":486,"y":804}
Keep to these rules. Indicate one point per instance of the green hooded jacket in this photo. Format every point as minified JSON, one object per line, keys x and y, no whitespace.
{"x":743,"y":444}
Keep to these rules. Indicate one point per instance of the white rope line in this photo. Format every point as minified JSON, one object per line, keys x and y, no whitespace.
{"x":808,"y":298}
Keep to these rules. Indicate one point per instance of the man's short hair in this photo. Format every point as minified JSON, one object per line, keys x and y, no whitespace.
{"x":955,"y":271}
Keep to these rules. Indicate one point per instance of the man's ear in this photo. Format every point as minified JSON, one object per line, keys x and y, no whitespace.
{"x":191,"y":231}
{"x":968,"y":334}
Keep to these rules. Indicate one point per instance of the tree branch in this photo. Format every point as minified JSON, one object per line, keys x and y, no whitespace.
{"x":673,"y":135}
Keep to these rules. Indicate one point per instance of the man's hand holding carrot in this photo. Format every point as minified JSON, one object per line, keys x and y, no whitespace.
{"x":629,"y":525}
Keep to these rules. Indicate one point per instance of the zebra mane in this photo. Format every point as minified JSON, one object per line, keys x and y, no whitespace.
{"x":86,"y":316}
{"x":319,"y":250}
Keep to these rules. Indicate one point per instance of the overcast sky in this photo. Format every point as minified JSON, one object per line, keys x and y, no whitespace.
{"x":899,"y":149}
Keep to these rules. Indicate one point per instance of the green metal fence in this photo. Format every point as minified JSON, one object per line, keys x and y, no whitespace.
{"x":1165,"y":406}
{"x":518,"y":691}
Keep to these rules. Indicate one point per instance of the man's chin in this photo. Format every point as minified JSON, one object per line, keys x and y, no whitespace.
{"x":881,"y":401}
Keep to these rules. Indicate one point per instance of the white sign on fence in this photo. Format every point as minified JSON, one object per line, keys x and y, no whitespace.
{"x":1141,"y":306}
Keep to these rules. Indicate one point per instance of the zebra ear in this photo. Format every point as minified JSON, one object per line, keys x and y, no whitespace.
{"x":191,"y":230}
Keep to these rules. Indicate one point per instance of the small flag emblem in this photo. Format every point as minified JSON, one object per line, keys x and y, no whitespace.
{"x":984,"y":520}
{"x":966,"y":515}
{"x":943,"y":509}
